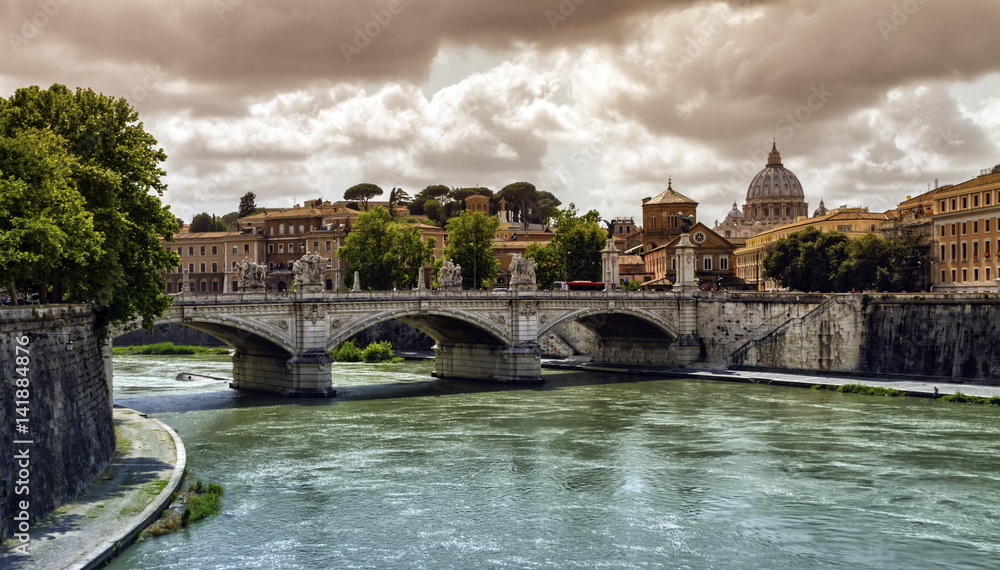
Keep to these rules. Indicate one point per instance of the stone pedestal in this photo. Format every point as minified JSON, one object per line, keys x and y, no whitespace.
{"x":684,"y":282}
{"x":610,"y":271}
{"x":308,"y":290}
{"x":518,"y":363}
{"x":357,"y":283}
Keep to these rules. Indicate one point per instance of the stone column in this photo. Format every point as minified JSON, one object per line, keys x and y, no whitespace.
{"x":357,"y":283}
{"x":421,"y":286}
{"x":609,"y":265}
{"x":684,"y":282}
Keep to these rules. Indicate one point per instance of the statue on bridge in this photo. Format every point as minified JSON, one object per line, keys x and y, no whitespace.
{"x":308,"y":270}
{"x":251,"y":275}
{"x":687,"y":220}
{"x":450,"y":276}
{"x":522,"y":272}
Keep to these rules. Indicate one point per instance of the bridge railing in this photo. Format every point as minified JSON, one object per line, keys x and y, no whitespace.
{"x":272,"y":297}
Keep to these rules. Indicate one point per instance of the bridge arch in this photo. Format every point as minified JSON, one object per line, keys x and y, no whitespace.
{"x":242,"y":334}
{"x":445,"y":326}
{"x":617,"y":322}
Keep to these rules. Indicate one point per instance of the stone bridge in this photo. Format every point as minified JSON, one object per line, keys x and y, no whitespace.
{"x":282,"y":344}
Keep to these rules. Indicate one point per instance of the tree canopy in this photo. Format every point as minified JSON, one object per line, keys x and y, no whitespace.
{"x":470,"y":244}
{"x":811,"y":260}
{"x":526,"y":204}
{"x":385,"y":253}
{"x":362,"y":193}
{"x":96,"y":147}
{"x":205,"y":222}
{"x":248,"y":204}
{"x":574,"y":254}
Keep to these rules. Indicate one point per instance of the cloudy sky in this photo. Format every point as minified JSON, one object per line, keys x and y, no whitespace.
{"x":597,"y":101}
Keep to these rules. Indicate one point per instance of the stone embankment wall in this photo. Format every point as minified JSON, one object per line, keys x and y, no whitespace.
{"x":67,"y":406}
{"x":941,"y":336}
{"x":727,"y":321}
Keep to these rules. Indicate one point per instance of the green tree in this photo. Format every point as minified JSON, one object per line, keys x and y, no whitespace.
{"x":434,"y":211}
{"x":550,"y":265}
{"x":205,"y":222}
{"x":117,"y":172}
{"x":384,"y":252}
{"x":231,"y":221}
{"x":399,"y":196}
{"x":248,"y":204}
{"x":526,"y":204}
{"x":907,"y":264}
{"x":362,"y":193}
{"x":807,"y":260}
{"x":579,"y":240}
{"x":470,"y":244}
{"x":864,"y":256}
{"x":45,"y":228}
{"x":432,"y":192}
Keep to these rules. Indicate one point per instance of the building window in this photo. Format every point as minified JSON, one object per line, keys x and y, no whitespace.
{"x":179,"y":251}
{"x":302,"y":248}
{"x":953,"y":279}
{"x":965,"y":275}
{"x":965,"y":202}
{"x":942,"y":252}
{"x":975,"y":274}
{"x":271,"y":230}
{"x":236,"y":287}
{"x":965,"y":251}
{"x":329,"y":264}
{"x":975,"y":249}
{"x":190,"y":268}
{"x":328,"y":245}
{"x":986,"y":225}
{"x":943,"y":210}
{"x":204,"y":286}
{"x":202,"y":250}
{"x":215,"y":285}
{"x":988,"y":275}
{"x":975,"y":226}
{"x":987,"y":198}
{"x":270,"y":248}
{"x":302,"y":228}
{"x":986,"y":249}
{"x":202,"y":267}
{"x":708,"y":263}
{"x":234,"y":266}
{"x":215,"y":250}
{"x":281,"y":248}
{"x":942,"y":231}
{"x":965,"y":228}
{"x":281,"y":229}
{"x":192,"y":287}
{"x":215,"y":267}
{"x":975,"y":201}
{"x":234,"y":249}
{"x":190,"y":251}
{"x":942,"y":277}
{"x":723,"y":262}
{"x":953,"y":226}
{"x":953,"y":256}
{"x":954,"y":204}
{"x":170,"y":284}
{"x":845,"y":228}
{"x":246,"y":248}
{"x":315,"y":247}
{"x":672,"y":220}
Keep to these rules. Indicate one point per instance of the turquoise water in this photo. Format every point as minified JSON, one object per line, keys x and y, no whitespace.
{"x":587,"y":471}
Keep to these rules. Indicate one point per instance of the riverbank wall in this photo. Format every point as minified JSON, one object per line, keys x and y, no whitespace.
{"x":944,"y":337}
{"x":56,"y":427}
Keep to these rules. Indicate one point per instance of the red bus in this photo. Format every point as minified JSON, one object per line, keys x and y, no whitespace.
{"x":577,"y":286}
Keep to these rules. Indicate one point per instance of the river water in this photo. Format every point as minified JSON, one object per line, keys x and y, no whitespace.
{"x":586,"y":471}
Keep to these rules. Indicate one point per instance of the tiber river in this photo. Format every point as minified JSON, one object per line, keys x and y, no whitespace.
{"x":586,"y":471}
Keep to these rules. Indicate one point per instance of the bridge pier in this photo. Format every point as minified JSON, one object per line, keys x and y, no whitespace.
{"x":519,"y":363}
{"x":305,"y":374}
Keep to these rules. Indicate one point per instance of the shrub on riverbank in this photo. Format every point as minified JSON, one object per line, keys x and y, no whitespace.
{"x":861,"y":389}
{"x":374,"y":352}
{"x":166,"y":348}
{"x":198,"y":502}
{"x":964,"y":399}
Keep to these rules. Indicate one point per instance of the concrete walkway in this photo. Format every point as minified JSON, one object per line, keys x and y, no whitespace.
{"x":912,"y":386}
{"x":147,"y":468}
